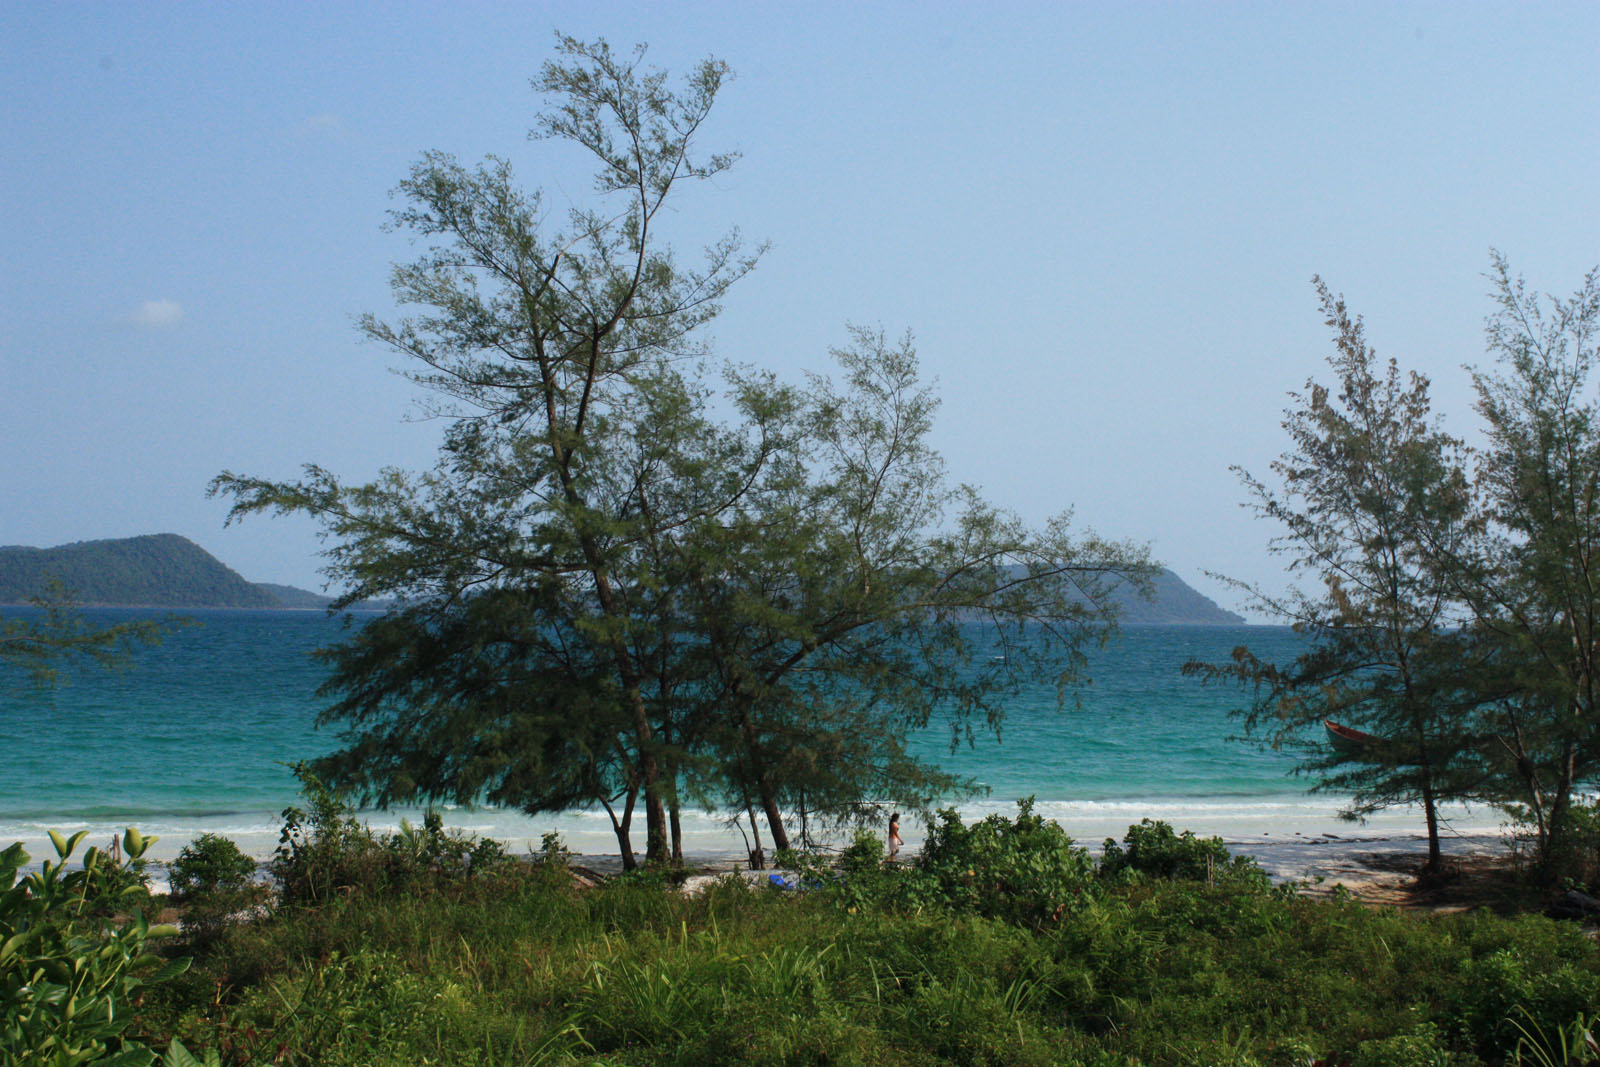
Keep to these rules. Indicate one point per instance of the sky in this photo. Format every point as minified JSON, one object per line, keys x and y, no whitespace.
{"x":1100,"y":222}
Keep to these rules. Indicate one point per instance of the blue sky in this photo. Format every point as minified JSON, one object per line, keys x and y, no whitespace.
{"x":1100,"y":221}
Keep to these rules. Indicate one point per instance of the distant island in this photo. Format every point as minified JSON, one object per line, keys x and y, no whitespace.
{"x":155,"y":570}
{"x":169,"y":571}
{"x":1176,"y":603}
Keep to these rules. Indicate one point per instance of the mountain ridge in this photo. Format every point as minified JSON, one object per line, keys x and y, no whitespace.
{"x":171,"y":571}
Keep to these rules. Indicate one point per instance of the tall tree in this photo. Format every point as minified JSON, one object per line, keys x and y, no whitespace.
{"x":1367,"y":486}
{"x":1533,"y":580}
{"x":845,"y":611}
{"x":612,"y":598}
{"x":542,"y":343}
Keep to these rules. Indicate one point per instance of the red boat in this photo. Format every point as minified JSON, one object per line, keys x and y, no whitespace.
{"x":1350,"y":740}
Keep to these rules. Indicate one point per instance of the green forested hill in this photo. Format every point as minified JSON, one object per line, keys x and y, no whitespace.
{"x":1173,"y":603}
{"x":1176,"y":603}
{"x":158,"y":569}
{"x":167,"y":570}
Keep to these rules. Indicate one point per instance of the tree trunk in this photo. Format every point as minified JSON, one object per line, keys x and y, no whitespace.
{"x":1430,"y":810}
{"x":656,"y":846}
{"x":1430,"y":802}
{"x":769,"y":804}
{"x":655,"y":817}
{"x":758,"y":858}
{"x":677,"y":832}
{"x":622,"y":828}
{"x":763,"y":780}
{"x":1557,"y":860}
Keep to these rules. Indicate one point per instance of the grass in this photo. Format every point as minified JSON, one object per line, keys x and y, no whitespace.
{"x":1004,"y":944}
{"x":889,"y":966}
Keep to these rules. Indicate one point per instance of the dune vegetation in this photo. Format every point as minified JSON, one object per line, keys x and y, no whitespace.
{"x":1003,"y":943}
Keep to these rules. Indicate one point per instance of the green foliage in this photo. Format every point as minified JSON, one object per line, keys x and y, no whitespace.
{"x":1148,"y":970}
{"x":1024,"y":870}
{"x":1507,"y":995}
{"x":151,"y":569}
{"x":1151,"y":848}
{"x":1422,"y":1047}
{"x":863,"y":854}
{"x":1583,"y":843}
{"x":38,"y":646}
{"x":179,"y":1056}
{"x":214,"y":881}
{"x":326,"y":852}
{"x":1574,"y":1045}
{"x":210,"y":864}
{"x":70,"y":968}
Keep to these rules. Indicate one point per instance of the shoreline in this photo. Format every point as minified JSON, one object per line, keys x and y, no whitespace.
{"x":1375,"y":869}
{"x":1356,"y":857}
{"x":1246,"y":823}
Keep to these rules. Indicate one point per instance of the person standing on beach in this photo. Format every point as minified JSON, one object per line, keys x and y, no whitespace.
{"x":894,"y":834}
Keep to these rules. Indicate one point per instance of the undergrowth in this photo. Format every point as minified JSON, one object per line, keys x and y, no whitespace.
{"x":1005,"y":944}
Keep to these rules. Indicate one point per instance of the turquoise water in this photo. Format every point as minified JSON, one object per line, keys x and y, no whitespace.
{"x":197,"y":735}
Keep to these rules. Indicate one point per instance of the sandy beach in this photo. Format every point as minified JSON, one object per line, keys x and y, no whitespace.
{"x":1374,"y":866}
{"x":1300,"y":840}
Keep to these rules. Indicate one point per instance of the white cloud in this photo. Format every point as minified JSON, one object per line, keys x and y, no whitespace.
{"x":158,"y":313}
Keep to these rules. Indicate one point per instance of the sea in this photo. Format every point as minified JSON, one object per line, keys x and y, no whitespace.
{"x":198,"y":734}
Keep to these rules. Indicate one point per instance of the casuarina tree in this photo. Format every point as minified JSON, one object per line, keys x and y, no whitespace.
{"x":619,"y":589}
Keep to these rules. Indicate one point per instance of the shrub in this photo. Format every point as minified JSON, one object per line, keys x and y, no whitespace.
{"x":69,"y":971}
{"x":1420,"y":1047}
{"x":1584,"y":842}
{"x":1151,"y":848}
{"x":1024,"y":870}
{"x":1505,"y":996}
{"x":864,"y":853}
{"x":431,"y":851}
{"x":214,"y":881}
{"x":325,"y":851}
{"x":208,"y":865}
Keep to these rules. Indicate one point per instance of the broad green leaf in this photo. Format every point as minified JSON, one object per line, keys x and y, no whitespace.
{"x":65,"y":845}
{"x":12,"y":944}
{"x":171,"y":969}
{"x":134,"y":843}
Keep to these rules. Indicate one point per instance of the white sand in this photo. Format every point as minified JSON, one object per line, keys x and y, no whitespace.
{"x":1299,"y":839}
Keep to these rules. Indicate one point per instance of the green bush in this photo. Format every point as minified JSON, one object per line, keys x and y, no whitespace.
{"x":1421,"y":1047}
{"x":1506,"y":995}
{"x":69,"y":969}
{"x":1584,"y":842}
{"x":431,"y":851}
{"x":1574,"y":1045}
{"x":864,"y":853}
{"x":1024,"y":870}
{"x":214,"y":882}
{"x":1152,"y":849}
{"x":325,"y":851}
{"x":208,"y":865}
